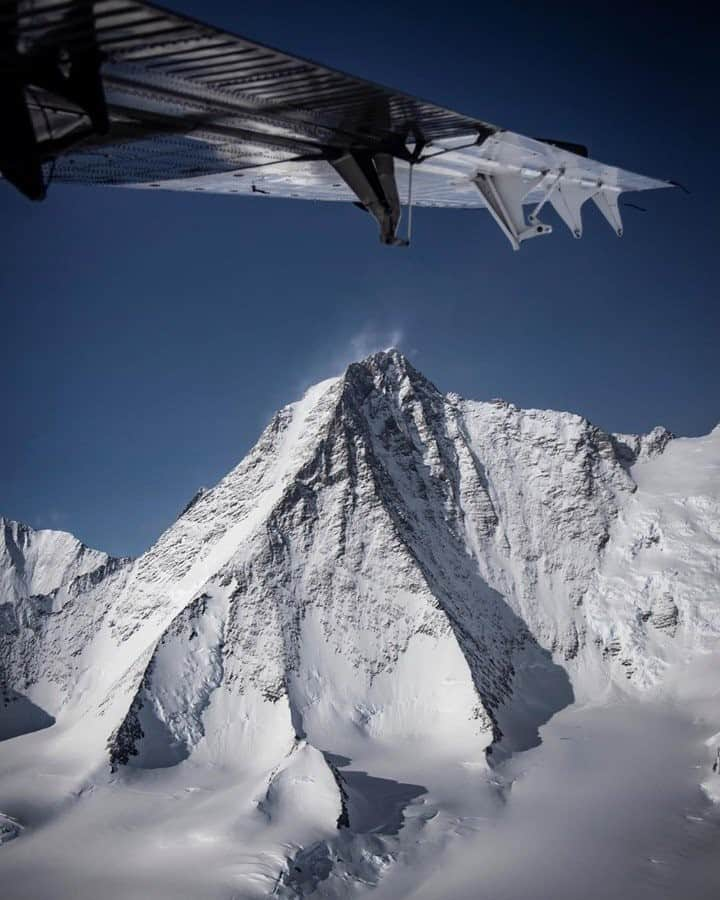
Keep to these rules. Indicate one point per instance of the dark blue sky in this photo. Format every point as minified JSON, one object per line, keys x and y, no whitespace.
{"x":147,"y":337}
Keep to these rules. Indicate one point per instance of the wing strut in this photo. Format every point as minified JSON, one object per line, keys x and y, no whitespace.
{"x":410,"y":203}
{"x":371,"y":177}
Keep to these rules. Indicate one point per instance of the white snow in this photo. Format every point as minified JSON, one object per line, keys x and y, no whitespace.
{"x":336,"y":634}
{"x":36,"y":562}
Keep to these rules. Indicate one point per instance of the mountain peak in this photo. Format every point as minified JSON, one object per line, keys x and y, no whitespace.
{"x":381,"y":359}
{"x":391,"y":372}
{"x":39,"y":561}
{"x":391,"y":577}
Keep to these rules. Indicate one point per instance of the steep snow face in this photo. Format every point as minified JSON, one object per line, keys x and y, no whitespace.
{"x":556,"y":485}
{"x":655,"y":598}
{"x":392,"y":578}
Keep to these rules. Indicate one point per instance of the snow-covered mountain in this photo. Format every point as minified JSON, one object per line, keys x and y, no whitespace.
{"x":34,"y":563}
{"x":331,"y":656}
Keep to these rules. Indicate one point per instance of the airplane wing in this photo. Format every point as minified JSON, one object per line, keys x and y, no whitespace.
{"x":120,"y":92}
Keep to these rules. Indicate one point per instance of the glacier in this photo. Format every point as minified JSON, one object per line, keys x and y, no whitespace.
{"x":412,"y":644}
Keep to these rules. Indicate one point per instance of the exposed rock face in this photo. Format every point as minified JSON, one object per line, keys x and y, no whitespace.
{"x":632,"y":448}
{"x":9,"y":829}
{"x":387,"y":562}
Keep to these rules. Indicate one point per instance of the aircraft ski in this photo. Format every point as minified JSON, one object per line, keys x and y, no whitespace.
{"x":119,"y":92}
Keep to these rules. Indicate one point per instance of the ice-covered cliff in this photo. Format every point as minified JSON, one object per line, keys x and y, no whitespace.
{"x":392,"y":577}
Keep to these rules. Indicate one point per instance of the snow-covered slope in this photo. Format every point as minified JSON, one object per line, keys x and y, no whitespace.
{"x":36,"y":566}
{"x":35,"y":563}
{"x":403,"y":582}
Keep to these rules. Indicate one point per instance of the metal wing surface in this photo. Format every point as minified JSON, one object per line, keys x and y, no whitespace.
{"x":124,"y":93}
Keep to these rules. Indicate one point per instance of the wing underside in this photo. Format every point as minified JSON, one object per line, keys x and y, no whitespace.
{"x":123,"y":93}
